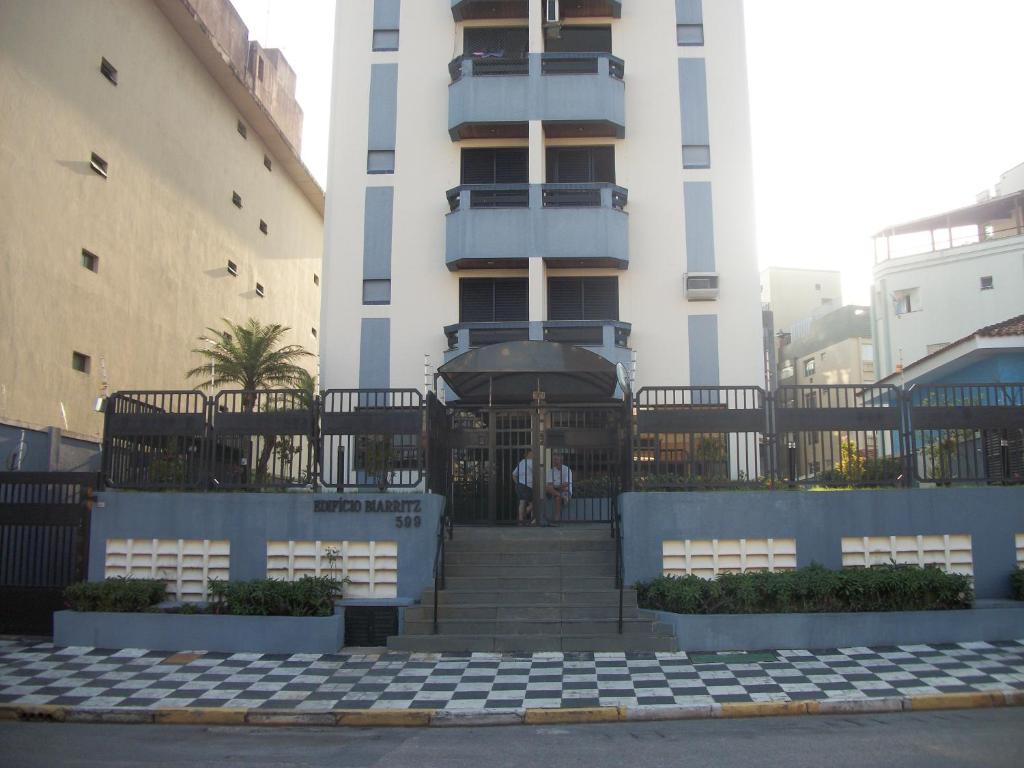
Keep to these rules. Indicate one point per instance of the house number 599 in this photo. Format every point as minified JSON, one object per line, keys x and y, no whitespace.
{"x":409,"y":521}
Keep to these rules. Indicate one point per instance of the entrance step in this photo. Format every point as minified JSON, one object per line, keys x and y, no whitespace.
{"x":602,"y":557}
{"x":556,"y":571}
{"x":637,"y":626}
{"x":548,"y":596}
{"x":495,"y":583}
{"x":530,"y":643}
{"x":527,"y":612}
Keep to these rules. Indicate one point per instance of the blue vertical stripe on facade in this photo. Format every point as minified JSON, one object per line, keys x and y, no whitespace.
{"x":377,"y":225}
{"x":700,"y":226}
{"x":375,"y":353}
{"x":383,"y":107}
{"x":687,"y":12}
{"x":703,"y":338}
{"x":693,"y":102}
{"x":386,"y":14}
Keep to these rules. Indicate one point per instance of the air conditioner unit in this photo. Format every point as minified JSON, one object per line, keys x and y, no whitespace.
{"x":552,"y":13}
{"x":701,"y":286}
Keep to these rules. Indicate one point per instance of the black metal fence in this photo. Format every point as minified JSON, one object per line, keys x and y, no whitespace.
{"x":663,"y":438}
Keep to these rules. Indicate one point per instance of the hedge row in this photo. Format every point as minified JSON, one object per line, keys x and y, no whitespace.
{"x":813,"y":589}
{"x":308,"y":596}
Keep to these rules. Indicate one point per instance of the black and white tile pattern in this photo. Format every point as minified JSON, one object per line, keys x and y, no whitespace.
{"x":95,"y":678}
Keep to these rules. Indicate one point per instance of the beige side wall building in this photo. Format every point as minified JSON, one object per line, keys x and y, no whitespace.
{"x":117,"y":269}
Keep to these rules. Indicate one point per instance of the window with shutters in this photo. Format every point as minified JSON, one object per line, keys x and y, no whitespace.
{"x":583,"y":298}
{"x":490,"y":299}
{"x":496,"y":166}
{"x":581,"y":165}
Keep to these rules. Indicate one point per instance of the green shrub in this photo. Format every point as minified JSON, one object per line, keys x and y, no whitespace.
{"x":308,"y":596}
{"x":116,"y":595}
{"x":810,"y":590}
{"x":1017,"y":584}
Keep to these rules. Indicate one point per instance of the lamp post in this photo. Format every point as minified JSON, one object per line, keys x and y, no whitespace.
{"x":213,"y":362}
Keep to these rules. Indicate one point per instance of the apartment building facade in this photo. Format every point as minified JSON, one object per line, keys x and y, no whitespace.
{"x":571,"y":172}
{"x":150,"y":185}
{"x":938,"y":279}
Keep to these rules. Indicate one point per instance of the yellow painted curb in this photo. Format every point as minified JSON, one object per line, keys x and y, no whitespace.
{"x":200,"y":716}
{"x":764,"y":708}
{"x":568,"y":716}
{"x":42,"y":712}
{"x":1014,"y":698}
{"x":384,"y":717}
{"x":8,"y":713}
{"x":926,"y":702}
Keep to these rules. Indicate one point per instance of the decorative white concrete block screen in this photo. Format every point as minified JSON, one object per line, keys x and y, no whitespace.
{"x":951,"y":552}
{"x":371,"y":566}
{"x":709,"y":557}
{"x":1020,"y":550}
{"x":186,"y":565}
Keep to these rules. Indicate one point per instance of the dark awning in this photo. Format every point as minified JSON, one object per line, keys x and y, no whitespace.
{"x":512,"y":371}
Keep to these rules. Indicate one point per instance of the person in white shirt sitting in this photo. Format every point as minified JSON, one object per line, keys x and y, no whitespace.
{"x":558,"y":486}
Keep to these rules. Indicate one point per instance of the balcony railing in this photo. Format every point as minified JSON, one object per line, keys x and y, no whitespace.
{"x":502,"y":225}
{"x":572,"y":93}
{"x":464,"y":10}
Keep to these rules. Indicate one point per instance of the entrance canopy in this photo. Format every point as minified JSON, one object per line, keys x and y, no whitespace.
{"x":511,"y":372}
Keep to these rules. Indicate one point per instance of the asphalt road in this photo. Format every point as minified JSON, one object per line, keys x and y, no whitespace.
{"x":990,"y":738}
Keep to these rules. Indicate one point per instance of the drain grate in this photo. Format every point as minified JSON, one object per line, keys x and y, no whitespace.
{"x":738,"y":657}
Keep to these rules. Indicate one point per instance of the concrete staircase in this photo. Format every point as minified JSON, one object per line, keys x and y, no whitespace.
{"x":531,"y":589}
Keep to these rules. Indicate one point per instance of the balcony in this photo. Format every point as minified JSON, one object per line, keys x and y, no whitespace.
{"x":501,"y":226}
{"x":464,"y":10}
{"x":573,"y":94}
{"x":608,"y":338}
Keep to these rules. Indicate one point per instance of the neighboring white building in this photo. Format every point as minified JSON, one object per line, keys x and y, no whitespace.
{"x":495,"y":175}
{"x":939,"y":278}
{"x":799,"y":294}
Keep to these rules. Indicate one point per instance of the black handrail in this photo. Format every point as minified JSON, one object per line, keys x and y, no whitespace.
{"x":619,"y":571}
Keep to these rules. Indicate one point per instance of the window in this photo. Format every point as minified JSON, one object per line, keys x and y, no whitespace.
{"x":696,"y":156}
{"x":312,"y":332}
{"x":98,"y":164}
{"x":236,"y":199}
{"x":385,"y":39}
{"x":986,"y":283}
{"x":316,"y":279}
{"x":108,"y":71}
{"x":242,"y":130}
{"x":380,"y":161}
{"x":90,"y":261}
{"x":817,"y":286}
{"x":809,"y":365}
{"x":260,"y":290}
{"x":580,"y":165}
{"x":487,"y":299}
{"x":259,"y":68}
{"x":690,"y":34}
{"x":906,"y":301}
{"x":496,"y":42}
{"x":232,"y":269}
{"x":581,"y":39}
{"x":376,"y":291}
{"x":263,"y":227}
{"x":495,"y":166}
{"x":81,"y":363}
{"x":867,"y":353}
{"x":267,"y":163}
{"x":583,"y":298}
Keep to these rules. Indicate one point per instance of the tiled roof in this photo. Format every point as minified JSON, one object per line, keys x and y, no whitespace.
{"x":1012,"y":327}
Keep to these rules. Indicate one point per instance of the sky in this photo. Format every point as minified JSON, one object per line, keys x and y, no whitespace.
{"x":863,"y":114}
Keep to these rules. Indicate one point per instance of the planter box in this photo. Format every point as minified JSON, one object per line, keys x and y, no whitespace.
{"x":756,"y":632}
{"x":205,"y":632}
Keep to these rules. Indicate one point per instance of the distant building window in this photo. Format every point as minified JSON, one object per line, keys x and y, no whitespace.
{"x":267,"y":163}
{"x":80,"y":362}
{"x":986,"y":283}
{"x":817,"y":286}
{"x":259,"y":68}
{"x":867,"y":353}
{"x":312,"y":332}
{"x":108,"y":71}
{"x":98,"y":164}
{"x":316,"y":279}
{"x":690,"y":34}
{"x":90,"y":261}
{"x":232,"y":269}
{"x":236,"y":199}
{"x":809,"y":367}
{"x":260,"y":290}
{"x":696,"y":156}
{"x":907,"y":301}
{"x":263,"y":227}
{"x":242,"y":130}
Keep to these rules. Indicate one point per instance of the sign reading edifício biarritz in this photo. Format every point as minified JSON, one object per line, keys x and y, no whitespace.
{"x":406,"y":511}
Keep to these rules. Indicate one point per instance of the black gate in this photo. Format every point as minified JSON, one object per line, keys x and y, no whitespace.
{"x":44,"y":545}
{"x":487,"y":443}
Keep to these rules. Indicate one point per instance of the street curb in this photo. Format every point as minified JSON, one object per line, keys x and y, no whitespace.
{"x":435,"y":718}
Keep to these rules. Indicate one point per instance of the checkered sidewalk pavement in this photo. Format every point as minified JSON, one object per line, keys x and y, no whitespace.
{"x":40,"y":673}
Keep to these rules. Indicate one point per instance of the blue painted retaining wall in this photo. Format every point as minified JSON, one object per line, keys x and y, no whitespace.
{"x":819,"y":521}
{"x":249,"y":520}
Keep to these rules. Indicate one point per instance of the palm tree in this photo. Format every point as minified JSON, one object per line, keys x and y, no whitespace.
{"x":251,"y":356}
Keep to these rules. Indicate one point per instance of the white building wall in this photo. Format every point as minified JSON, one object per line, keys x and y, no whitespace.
{"x":648,"y":162}
{"x":950,"y":302}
